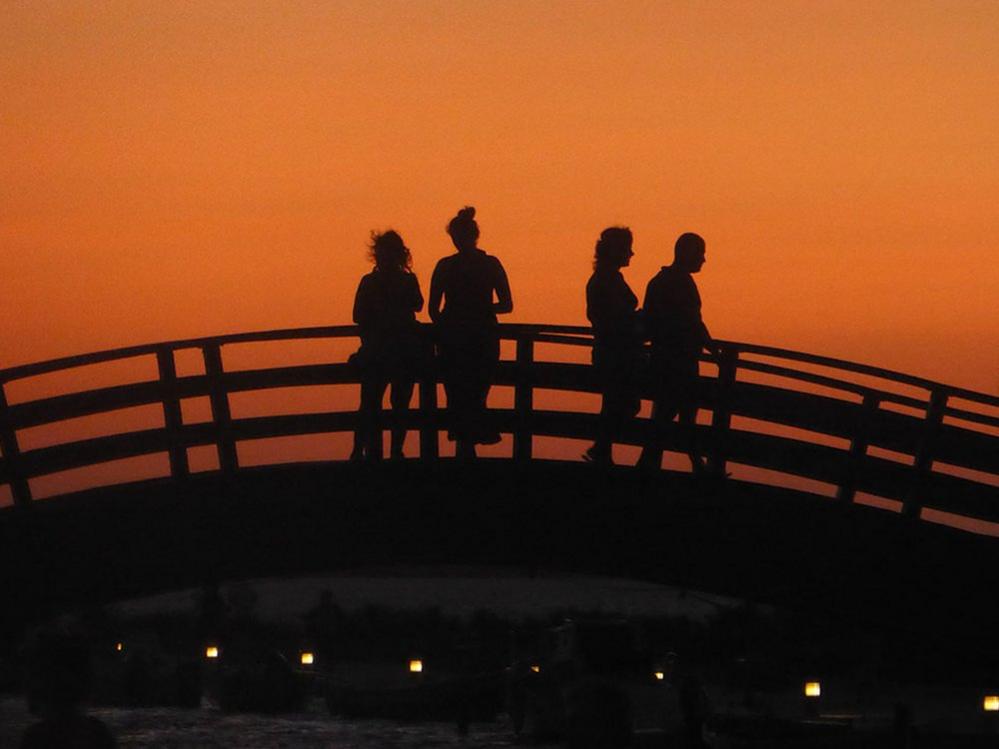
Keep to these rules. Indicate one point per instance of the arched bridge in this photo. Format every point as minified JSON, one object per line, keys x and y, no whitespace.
{"x":841,"y":474}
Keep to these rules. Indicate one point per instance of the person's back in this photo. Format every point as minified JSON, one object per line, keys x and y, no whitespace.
{"x":672,"y":314}
{"x":468,"y":280}
{"x":611,"y":308}
{"x":386,"y":303}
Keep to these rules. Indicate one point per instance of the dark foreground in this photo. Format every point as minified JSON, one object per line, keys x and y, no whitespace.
{"x":172,"y":728}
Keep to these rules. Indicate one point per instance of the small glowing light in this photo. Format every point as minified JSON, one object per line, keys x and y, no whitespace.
{"x":536,"y":669}
{"x":119,"y":647}
{"x":813,"y":689}
{"x":991,"y":703}
{"x":659,"y":675}
{"x":308,"y":659}
{"x":211,"y":652}
{"x":416,"y":666}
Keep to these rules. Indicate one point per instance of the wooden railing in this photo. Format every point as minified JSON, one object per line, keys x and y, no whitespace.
{"x":865,"y":431}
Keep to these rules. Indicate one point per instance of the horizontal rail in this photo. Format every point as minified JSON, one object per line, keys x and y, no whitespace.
{"x":824,"y":405}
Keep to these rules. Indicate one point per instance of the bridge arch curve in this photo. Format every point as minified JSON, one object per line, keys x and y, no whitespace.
{"x":783,"y":422}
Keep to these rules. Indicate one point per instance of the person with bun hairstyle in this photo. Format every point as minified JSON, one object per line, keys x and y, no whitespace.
{"x":474,"y":289}
{"x":611,"y":307}
{"x":392,"y":345}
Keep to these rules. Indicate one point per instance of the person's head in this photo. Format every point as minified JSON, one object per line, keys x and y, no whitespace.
{"x":389,"y":252}
{"x":688,"y":252}
{"x":463,"y":229}
{"x":613,"y":249}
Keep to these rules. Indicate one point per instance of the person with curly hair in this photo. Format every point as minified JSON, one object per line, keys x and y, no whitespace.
{"x":611,"y":307}
{"x":392,"y":347}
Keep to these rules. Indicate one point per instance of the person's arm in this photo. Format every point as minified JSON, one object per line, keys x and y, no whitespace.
{"x":416,"y":297}
{"x":709,"y":343}
{"x":362,"y":303}
{"x":436,"y":293}
{"x":501,"y":286}
{"x":649,"y":313}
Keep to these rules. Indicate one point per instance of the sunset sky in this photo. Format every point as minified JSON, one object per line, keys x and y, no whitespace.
{"x":181,"y":169}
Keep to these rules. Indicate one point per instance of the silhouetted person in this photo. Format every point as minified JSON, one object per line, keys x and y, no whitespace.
{"x":611,"y":308}
{"x":673,"y":321}
{"x":385,"y":308}
{"x":58,"y":685}
{"x":474,"y":289}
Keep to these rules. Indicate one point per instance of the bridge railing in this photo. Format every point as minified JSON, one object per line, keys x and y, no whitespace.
{"x":860,"y":433}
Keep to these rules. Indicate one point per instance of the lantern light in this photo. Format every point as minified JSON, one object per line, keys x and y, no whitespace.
{"x":308,"y":659}
{"x":535,"y":668}
{"x":212,"y":651}
{"x":119,"y":646}
{"x":991,"y":703}
{"x":813,"y":689}
{"x":416,"y":666}
{"x":660,"y":675}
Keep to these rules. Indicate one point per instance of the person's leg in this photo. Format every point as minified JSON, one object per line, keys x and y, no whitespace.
{"x":686,"y":395}
{"x":687,"y":425}
{"x":663,"y":411}
{"x":607,"y":425}
{"x":401,"y":395}
{"x":364,"y":420}
{"x":610,"y":405}
{"x":372,"y":392}
{"x":487,"y":358}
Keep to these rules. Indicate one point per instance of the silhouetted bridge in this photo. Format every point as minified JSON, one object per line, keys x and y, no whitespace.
{"x":835,"y":468}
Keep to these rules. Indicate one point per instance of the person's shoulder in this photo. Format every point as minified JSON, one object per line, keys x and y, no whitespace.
{"x":660,"y":278}
{"x":445,"y":263}
{"x":484,"y":257}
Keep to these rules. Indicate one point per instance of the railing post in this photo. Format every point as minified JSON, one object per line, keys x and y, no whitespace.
{"x":858,"y":449}
{"x":429,"y":448}
{"x":523,"y":400}
{"x":220,"y":408}
{"x":19,"y":488}
{"x":923,"y":463}
{"x":721,"y":417}
{"x":172,"y":418}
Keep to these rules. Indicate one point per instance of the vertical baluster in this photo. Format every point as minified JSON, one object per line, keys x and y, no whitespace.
{"x":721,"y":417}
{"x":429,"y":448}
{"x":858,"y":448}
{"x":172,"y":418}
{"x":19,"y":488}
{"x":523,"y":400}
{"x":220,"y":408}
{"x":923,"y":463}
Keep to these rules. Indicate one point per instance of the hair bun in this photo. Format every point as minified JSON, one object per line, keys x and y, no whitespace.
{"x":468,"y":213}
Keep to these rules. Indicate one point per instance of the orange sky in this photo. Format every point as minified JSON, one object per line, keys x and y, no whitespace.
{"x":190,"y":168}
